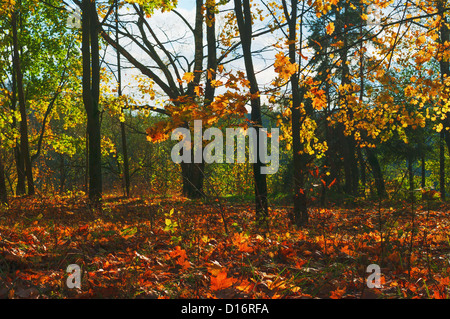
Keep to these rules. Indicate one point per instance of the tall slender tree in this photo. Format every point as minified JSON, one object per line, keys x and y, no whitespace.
{"x":126,"y":167}
{"x":24,"y":143}
{"x":245,"y":22}
{"x":3,"y":191}
{"x":91,"y":94}
{"x":444,"y":66}
{"x":300,"y":159}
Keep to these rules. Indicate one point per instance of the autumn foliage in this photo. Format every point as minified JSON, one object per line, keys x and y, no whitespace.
{"x":129,"y":252}
{"x":359,"y":89}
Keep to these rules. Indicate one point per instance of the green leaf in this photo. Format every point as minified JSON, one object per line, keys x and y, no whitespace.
{"x":128,"y":232}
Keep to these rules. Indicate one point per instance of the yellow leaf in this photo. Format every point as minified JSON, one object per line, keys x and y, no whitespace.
{"x":188,"y":77}
{"x":245,"y":286}
{"x":216,"y":83}
{"x":338,"y":44}
{"x":421,"y":40}
{"x":198,"y":90}
{"x":330,"y":28}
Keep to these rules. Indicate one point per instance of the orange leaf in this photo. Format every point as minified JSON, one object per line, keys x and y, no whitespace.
{"x":300,"y":263}
{"x":330,"y":28}
{"x":241,"y":241}
{"x":181,"y":260}
{"x":221,"y":281}
{"x":332,"y":183}
{"x":338,"y":293}
{"x":198,"y":90}
{"x":188,"y":77}
{"x":245,"y":286}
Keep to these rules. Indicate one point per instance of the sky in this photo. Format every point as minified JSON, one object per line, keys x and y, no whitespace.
{"x":186,"y":4}
{"x":169,"y":26}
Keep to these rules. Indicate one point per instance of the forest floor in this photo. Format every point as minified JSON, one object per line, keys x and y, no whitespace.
{"x":177,"y":248}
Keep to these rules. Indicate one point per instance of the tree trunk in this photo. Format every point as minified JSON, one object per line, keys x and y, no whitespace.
{"x":377,"y":173}
{"x":442,"y":165}
{"x":170,"y":87}
{"x":410,"y":177}
{"x":193,"y":173}
{"x":86,"y":163}
{"x":3,"y":191}
{"x":333,"y":158}
{"x":91,"y":92}
{"x":329,"y":161}
{"x":350,"y":163}
{"x":347,"y":162}
{"x":95,"y":169}
{"x":423,"y":181}
{"x":354,"y":163}
{"x":62,"y":174}
{"x":23,"y":125}
{"x":348,"y":141}
{"x":444,"y":66}
{"x":300,"y":162}
{"x":362,"y":163}
{"x":300,"y":213}
{"x":126,"y":169}
{"x":20,"y":165}
{"x":212,"y":51}
{"x":198,"y":51}
{"x":244,"y":20}
{"x":362,"y":166}
{"x":193,"y":176}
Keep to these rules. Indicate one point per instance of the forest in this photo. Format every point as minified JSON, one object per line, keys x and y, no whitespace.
{"x":224,"y":149}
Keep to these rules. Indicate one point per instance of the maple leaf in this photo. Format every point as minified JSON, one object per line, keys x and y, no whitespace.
{"x":421,"y":40}
{"x":347,"y":251}
{"x":221,"y":281}
{"x":443,"y":281}
{"x":330,"y":28}
{"x":216,"y":83}
{"x":188,"y":77}
{"x":300,"y":262}
{"x":198,"y":90}
{"x":241,"y":241}
{"x":337,"y":294}
{"x":284,"y":67}
{"x":181,"y":256}
{"x":245,"y":286}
